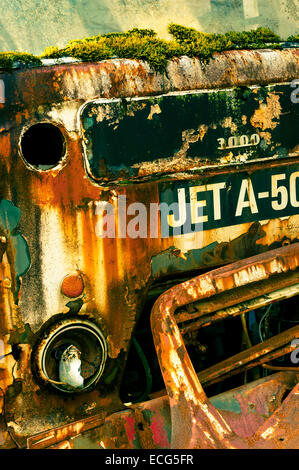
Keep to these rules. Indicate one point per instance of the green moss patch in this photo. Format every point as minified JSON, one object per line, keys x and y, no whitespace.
{"x":143,"y":44}
{"x":204,"y":45}
{"x":139,"y":44}
{"x":293,"y":38}
{"x":11,"y":59}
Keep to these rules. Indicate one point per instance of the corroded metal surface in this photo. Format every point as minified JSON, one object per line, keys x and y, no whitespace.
{"x":117,"y":78}
{"x":267,"y":351}
{"x":58,"y":220}
{"x":233,"y":303}
{"x":143,"y":136}
{"x":148,"y":425}
{"x":203,"y":425}
{"x":57,"y":435}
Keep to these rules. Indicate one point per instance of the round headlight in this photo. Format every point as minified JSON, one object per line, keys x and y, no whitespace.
{"x":71,"y":355}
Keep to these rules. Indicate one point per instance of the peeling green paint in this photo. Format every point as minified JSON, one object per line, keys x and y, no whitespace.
{"x":21,"y":336}
{"x":172,"y":261}
{"x":9,"y":220}
{"x":226,"y":403}
{"x":127,"y":137}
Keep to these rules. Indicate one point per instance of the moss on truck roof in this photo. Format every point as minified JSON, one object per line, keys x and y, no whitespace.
{"x":293,"y":38}
{"x":11,"y":59}
{"x":143,"y":44}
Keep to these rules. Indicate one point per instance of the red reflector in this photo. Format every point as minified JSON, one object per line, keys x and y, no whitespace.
{"x":72,"y":285}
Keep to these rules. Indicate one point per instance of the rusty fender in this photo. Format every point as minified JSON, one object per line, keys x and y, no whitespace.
{"x":204,"y":426}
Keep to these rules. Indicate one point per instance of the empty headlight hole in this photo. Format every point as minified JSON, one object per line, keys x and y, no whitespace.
{"x":43,"y":146}
{"x":65,"y":338}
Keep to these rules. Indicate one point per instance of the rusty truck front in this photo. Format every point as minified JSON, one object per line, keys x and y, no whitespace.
{"x":130,"y":195}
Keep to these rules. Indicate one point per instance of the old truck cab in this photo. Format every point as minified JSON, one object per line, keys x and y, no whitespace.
{"x":137,"y":202}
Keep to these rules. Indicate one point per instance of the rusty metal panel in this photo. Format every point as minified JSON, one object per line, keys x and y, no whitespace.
{"x":196,"y":318}
{"x":117,"y":78}
{"x":148,"y":425}
{"x":204,"y":426}
{"x":47,"y":439}
{"x":54,"y":218}
{"x":185,"y":131}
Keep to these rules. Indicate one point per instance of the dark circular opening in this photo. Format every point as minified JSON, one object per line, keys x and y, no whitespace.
{"x":43,"y":146}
